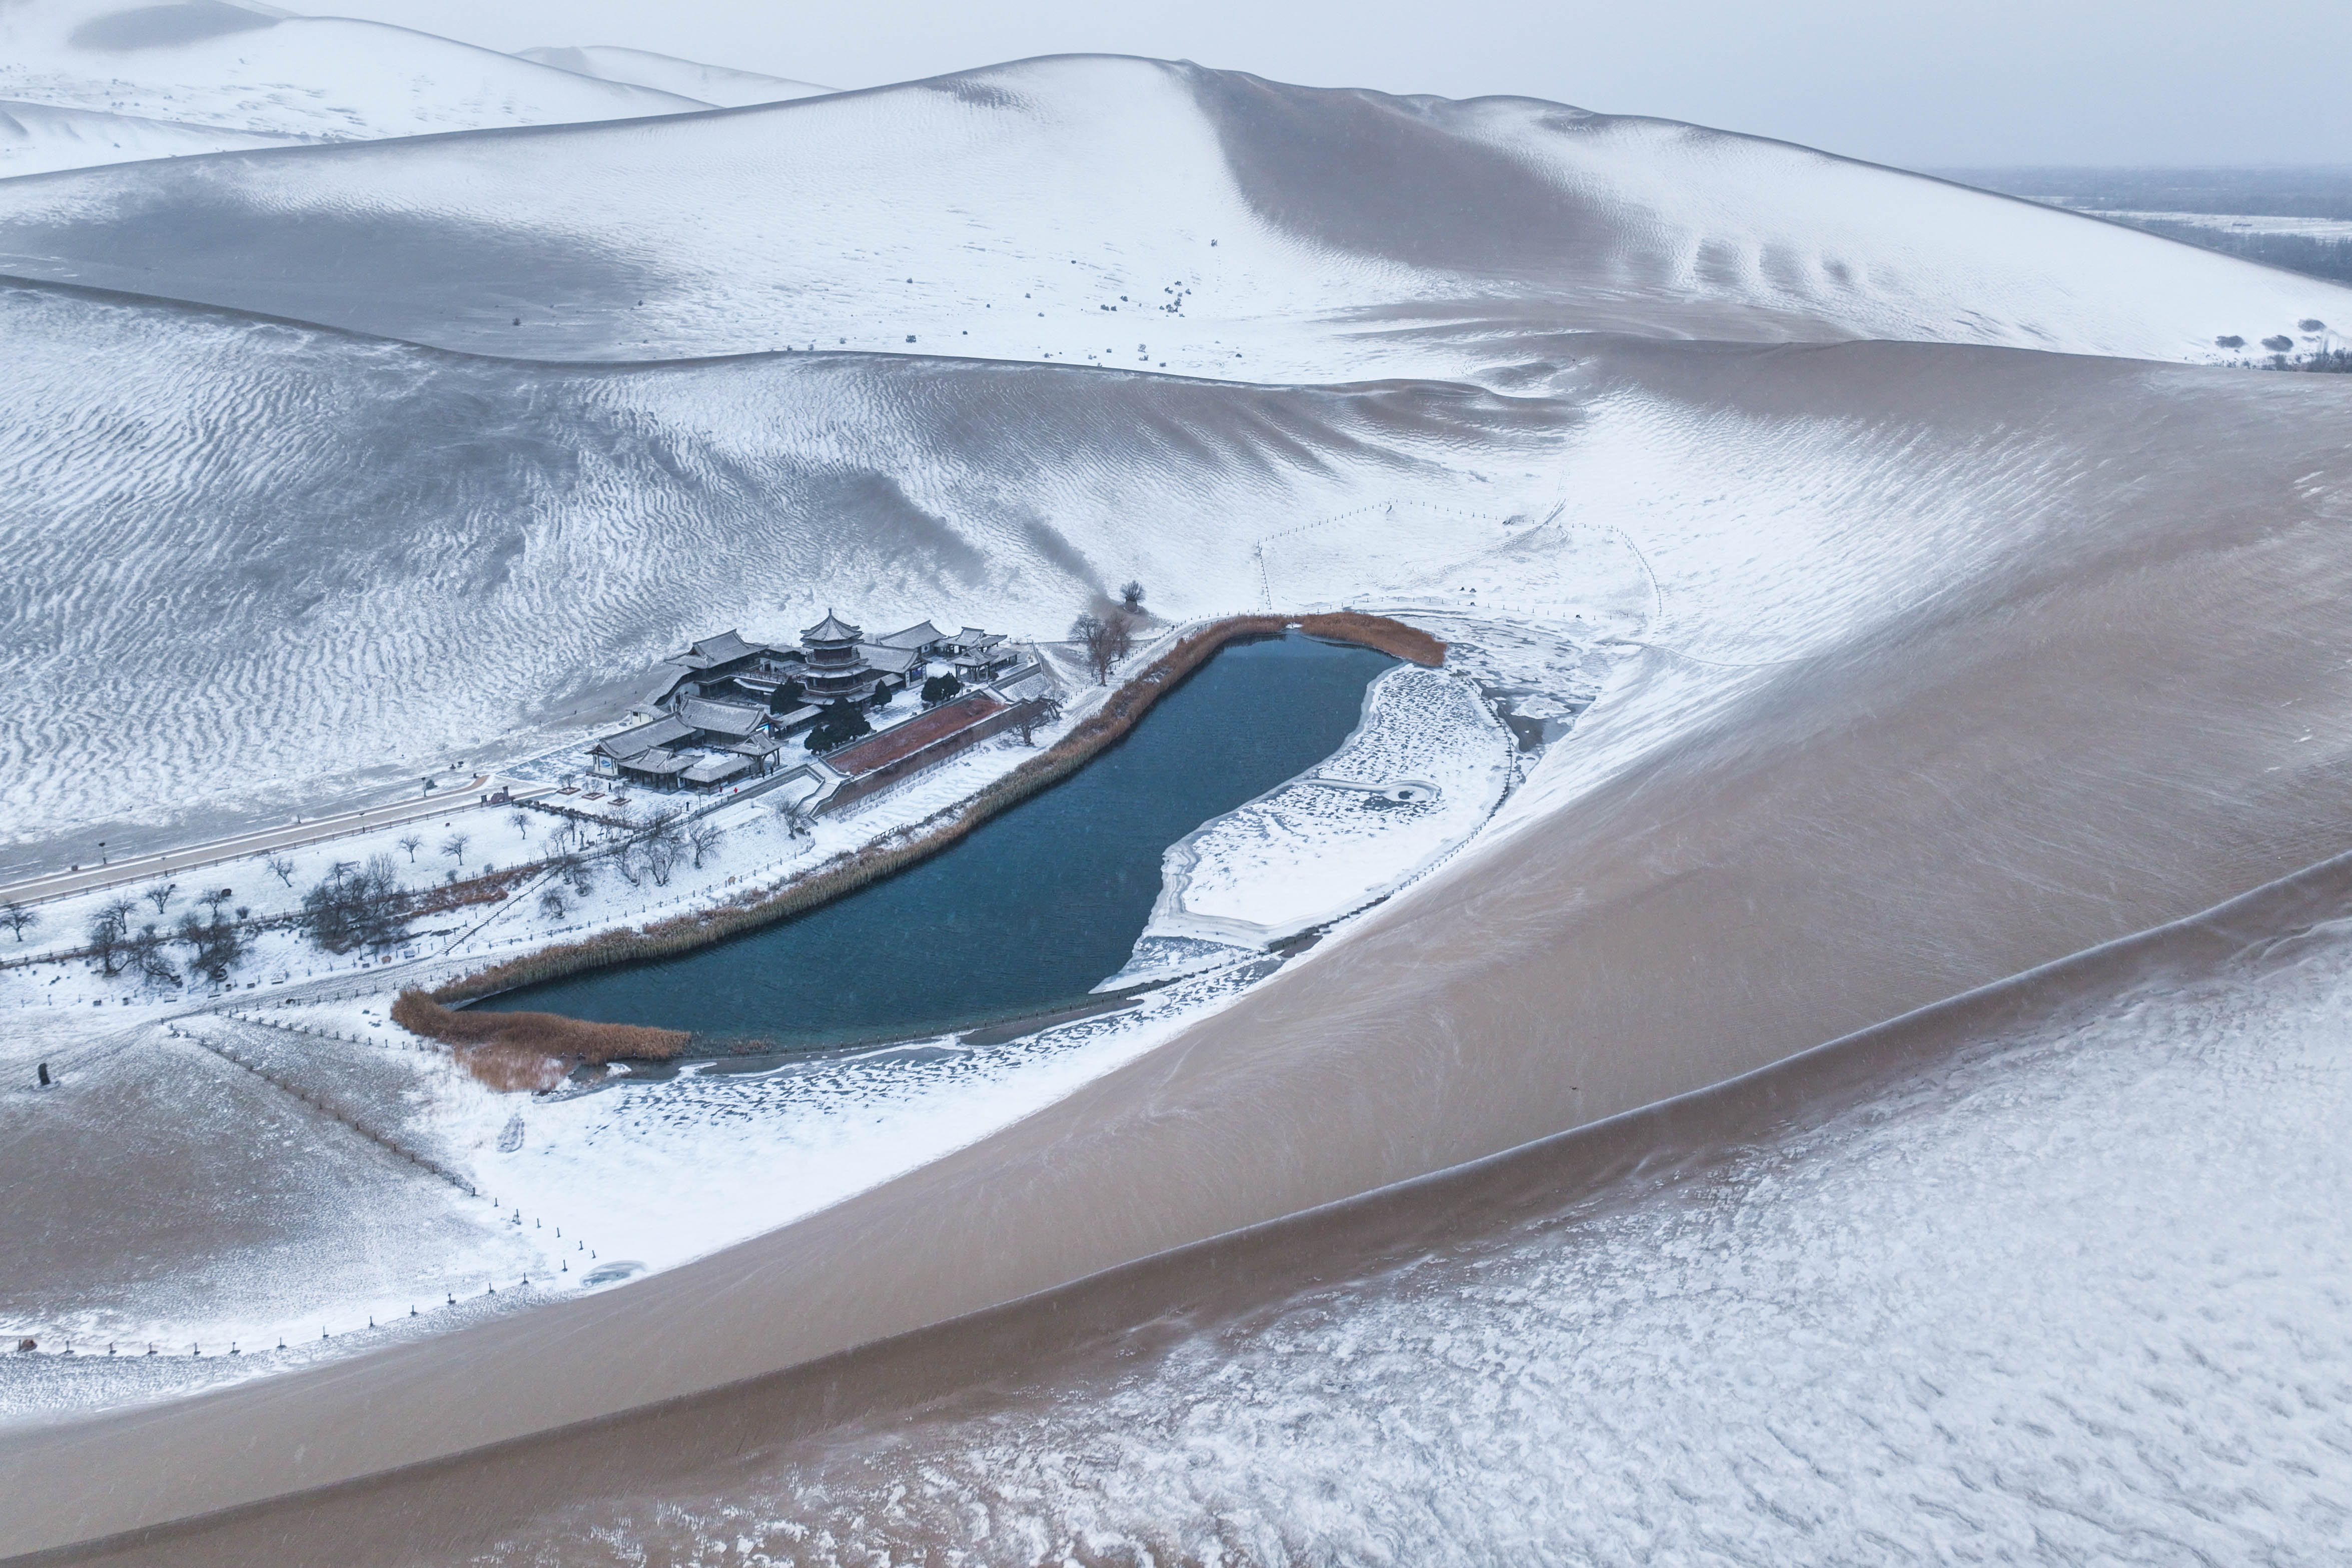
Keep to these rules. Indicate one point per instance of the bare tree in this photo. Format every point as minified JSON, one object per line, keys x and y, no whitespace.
{"x":218,"y":944}
{"x":521,"y":822}
{"x":213,"y":898}
{"x":798,"y":818}
{"x":282,"y":868}
{"x":356,"y":905}
{"x":1032,"y":714}
{"x":1105,"y":639}
{"x":1092,"y":634}
{"x":18,"y":918}
{"x":109,"y":929}
{"x":412,"y":843}
{"x":455,"y":844}
{"x":702,"y":837}
{"x":159,"y":894}
{"x":661,"y":840}
{"x":147,"y":957}
{"x":551,"y":902}
{"x":1130,"y":594}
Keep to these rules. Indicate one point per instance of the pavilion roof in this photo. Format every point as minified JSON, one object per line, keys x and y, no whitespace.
{"x":920,"y":635}
{"x":724,"y":648}
{"x":882,"y":656}
{"x":833,"y":628}
{"x":732,"y":720}
{"x":663,"y":732}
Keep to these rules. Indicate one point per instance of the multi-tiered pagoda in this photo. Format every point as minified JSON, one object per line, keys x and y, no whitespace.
{"x":834,"y":666}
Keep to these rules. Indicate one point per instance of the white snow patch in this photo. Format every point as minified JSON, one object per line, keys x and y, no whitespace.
{"x":1425,"y":766}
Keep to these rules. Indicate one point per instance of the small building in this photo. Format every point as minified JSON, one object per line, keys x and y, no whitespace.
{"x":724,"y":653}
{"x":722,"y":721}
{"x":727,"y":740}
{"x":720,"y":768}
{"x":923,"y":639}
{"x":653,"y":765}
{"x":615,"y":755}
{"x":896,"y":666}
{"x":979,"y":654}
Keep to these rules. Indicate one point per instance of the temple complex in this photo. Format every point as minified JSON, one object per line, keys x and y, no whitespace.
{"x":724,"y":712}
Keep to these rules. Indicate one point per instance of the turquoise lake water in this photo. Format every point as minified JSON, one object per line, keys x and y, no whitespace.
{"x":1031,"y":910}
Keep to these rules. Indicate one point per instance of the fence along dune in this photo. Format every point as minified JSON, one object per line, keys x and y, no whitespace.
{"x":847,"y":873}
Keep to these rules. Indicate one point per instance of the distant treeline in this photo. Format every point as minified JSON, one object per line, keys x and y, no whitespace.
{"x":2315,"y":192}
{"x":2329,"y":259}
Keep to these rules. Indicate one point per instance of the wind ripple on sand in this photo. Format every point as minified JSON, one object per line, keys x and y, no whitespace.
{"x":2078,"y":1295}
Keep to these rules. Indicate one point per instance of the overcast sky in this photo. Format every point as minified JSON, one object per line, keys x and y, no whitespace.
{"x":1928,"y":83}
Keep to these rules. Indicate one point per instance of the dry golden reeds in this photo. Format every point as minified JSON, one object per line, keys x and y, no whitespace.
{"x":528,"y":1050}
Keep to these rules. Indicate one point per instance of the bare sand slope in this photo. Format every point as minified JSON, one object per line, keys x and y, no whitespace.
{"x":1239,"y":1395}
{"x":2101,"y":686}
{"x":1846,"y":1303}
{"x":1138,"y":213}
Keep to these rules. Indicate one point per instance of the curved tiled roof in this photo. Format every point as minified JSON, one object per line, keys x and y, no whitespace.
{"x":833,"y":628}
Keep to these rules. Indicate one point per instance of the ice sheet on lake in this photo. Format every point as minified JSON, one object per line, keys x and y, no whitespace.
{"x":1426,"y":765}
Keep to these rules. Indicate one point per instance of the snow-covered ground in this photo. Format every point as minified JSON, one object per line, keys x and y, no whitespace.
{"x":1117,"y":211}
{"x":1424,"y":768}
{"x":641,"y":1170}
{"x":167,"y":1195}
{"x":477,"y":559}
{"x":36,"y":138}
{"x":477,"y":1202}
{"x":721,"y":85}
{"x":258,"y":72}
{"x":254,"y":564}
{"x":756,"y":851}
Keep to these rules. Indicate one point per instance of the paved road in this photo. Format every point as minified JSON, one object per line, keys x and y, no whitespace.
{"x":141,"y":868}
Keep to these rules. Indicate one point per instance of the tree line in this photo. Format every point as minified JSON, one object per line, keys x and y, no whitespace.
{"x":364,"y":904}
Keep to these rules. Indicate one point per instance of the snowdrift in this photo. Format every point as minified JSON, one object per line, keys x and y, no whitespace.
{"x":719,"y":85}
{"x":37,"y":138}
{"x":1131,"y":213}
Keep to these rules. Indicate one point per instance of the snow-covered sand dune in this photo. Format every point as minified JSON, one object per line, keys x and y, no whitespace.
{"x":2064,"y":1286}
{"x":720,"y":85}
{"x":37,"y":138}
{"x":371,"y":559}
{"x":252,"y":71}
{"x":1136,"y":213}
{"x":1956,"y":661}
{"x":1922,"y":663}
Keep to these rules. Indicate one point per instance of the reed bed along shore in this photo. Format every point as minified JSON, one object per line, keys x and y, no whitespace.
{"x":528,"y":1050}
{"x":847,"y":873}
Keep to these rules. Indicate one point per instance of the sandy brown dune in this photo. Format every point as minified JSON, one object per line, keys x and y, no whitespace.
{"x":2065,"y":659}
{"x":1087,"y":1337}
